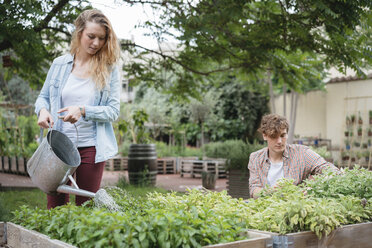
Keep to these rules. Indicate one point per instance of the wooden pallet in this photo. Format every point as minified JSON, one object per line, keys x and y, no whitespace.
{"x":117,"y":164}
{"x":166,"y":165}
{"x":196,"y":167}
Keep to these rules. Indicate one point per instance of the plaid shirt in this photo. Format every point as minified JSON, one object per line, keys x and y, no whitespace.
{"x":298,"y":162}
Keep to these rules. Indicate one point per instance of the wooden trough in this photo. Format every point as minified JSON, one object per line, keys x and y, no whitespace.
{"x":348,"y":236}
{"x":15,"y":236}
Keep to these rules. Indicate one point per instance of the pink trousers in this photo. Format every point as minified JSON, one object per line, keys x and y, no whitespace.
{"x":88,"y":176}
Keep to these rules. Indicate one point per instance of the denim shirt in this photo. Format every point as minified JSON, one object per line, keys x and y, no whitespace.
{"x":105,"y":109}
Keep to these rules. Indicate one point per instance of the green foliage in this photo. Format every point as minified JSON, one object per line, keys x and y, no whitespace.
{"x":33,"y":32}
{"x":236,"y":152}
{"x":18,"y":140}
{"x":322,"y":151}
{"x":13,"y":200}
{"x":135,"y":126}
{"x":164,"y":150}
{"x":197,"y":218}
{"x":356,"y":182}
{"x":251,"y":36}
{"x":238,"y":111}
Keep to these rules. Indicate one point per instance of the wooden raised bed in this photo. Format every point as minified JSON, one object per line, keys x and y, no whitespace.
{"x":254,"y":240}
{"x":238,"y":183}
{"x":15,"y":236}
{"x":348,"y":236}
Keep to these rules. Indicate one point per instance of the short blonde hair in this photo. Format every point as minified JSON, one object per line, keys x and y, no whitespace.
{"x":273,"y":124}
{"x":103,"y":61}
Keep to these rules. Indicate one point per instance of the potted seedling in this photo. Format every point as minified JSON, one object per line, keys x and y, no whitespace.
{"x":360,"y":120}
{"x":345,"y":155}
{"x":352,"y":117}
{"x":360,"y":131}
{"x":369,"y":132}
{"x":366,"y":156}
{"x":347,"y":144}
{"x":348,"y":121}
{"x":356,"y":143}
{"x":370,"y":117}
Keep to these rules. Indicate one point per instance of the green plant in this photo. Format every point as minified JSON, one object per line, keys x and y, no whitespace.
{"x":135,"y":126}
{"x":322,"y":151}
{"x":236,"y":152}
{"x":200,"y":218}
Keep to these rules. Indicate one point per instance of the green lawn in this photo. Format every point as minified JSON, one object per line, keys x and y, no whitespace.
{"x":12,"y":200}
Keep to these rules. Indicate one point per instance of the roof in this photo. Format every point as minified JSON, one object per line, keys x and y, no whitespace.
{"x":349,"y":79}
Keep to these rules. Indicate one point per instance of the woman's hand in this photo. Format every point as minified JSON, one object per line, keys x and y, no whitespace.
{"x":73,"y":114}
{"x":45,"y":118}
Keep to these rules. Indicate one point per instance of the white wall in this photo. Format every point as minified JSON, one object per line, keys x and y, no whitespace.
{"x":323,"y":114}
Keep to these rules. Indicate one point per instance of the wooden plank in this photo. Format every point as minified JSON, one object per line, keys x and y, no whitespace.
{"x":2,"y":234}
{"x":348,"y":236}
{"x":254,"y":240}
{"x":20,"y":237}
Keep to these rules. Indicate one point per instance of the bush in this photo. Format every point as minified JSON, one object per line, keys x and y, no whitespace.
{"x":236,"y":152}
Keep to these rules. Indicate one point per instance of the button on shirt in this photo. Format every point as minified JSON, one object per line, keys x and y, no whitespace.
{"x":299,"y":162}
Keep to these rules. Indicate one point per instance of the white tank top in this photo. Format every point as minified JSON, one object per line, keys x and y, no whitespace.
{"x":79,"y":92}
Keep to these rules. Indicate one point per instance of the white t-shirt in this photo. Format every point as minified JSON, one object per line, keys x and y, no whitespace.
{"x":276,"y":172}
{"x":79,"y":92}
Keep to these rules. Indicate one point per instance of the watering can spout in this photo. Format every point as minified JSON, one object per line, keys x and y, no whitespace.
{"x":70,"y":190}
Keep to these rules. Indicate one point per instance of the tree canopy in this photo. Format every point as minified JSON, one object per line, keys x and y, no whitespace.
{"x":252,"y":36}
{"x":34,"y":32}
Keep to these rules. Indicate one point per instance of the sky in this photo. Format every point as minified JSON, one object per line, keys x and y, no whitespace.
{"x":124,"y":18}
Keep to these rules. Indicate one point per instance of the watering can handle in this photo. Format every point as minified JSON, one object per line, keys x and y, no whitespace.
{"x":50,"y":137}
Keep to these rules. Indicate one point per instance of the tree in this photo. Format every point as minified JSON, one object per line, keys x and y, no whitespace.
{"x":245,"y":35}
{"x":253,"y":37}
{"x":35,"y":32}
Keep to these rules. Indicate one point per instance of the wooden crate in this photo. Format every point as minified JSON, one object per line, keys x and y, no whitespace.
{"x":117,"y":164}
{"x":196,"y":167}
{"x":15,"y":236}
{"x":254,"y":240}
{"x":166,"y":165}
{"x":348,"y":236}
{"x":186,"y":167}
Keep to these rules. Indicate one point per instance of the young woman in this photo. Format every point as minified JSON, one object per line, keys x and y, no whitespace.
{"x":83,"y":88}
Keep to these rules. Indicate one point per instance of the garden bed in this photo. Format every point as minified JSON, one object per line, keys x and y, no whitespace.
{"x":15,"y":236}
{"x":348,"y":236}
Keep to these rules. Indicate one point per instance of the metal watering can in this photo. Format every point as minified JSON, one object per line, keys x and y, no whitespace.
{"x":53,"y":164}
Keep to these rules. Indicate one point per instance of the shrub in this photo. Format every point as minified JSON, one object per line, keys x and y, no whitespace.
{"x":236,"y":152}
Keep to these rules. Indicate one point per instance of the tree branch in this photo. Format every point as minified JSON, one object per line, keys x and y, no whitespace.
{"x":44,"y":23}
{"x":179,"y":62}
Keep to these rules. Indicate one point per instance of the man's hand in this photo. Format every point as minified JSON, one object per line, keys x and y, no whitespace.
{"x":45,"y":119}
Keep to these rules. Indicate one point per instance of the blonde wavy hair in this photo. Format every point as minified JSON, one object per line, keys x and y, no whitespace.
{"x":102,"y":62}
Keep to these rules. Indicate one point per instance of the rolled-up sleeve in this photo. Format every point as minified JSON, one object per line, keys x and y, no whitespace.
{"x":317,"y":163}
{"x":107,"y":111}
{"x":254,"y":179}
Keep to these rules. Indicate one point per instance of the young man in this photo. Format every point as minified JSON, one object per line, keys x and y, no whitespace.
{"x":279,"y":159}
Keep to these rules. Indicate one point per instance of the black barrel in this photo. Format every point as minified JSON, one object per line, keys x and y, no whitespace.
{"x":142,"y":167}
